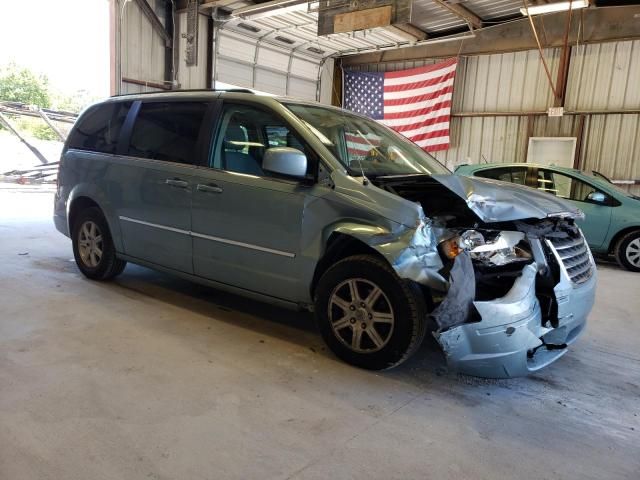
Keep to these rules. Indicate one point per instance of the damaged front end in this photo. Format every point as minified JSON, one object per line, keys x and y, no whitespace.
{"x":519,"y":280}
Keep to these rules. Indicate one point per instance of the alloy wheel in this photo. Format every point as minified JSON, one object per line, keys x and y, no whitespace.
{"x":90,"y":244}
{"x":361,"y":315}
{"x":633,"y":252}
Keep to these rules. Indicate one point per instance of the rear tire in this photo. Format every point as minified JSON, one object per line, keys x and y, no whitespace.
{"x":627,"y":251}
{"x":367,"y":315}
{"x":93,"y":247}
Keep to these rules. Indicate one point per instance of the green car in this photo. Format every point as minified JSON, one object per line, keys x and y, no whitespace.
{"x":612,"y":216}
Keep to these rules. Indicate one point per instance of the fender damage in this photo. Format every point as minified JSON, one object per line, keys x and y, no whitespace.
{"x":497,"y":319}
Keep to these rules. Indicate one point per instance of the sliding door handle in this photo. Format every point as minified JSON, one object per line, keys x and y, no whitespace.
{"x":211,"y":188}
{"x":175,"y":182}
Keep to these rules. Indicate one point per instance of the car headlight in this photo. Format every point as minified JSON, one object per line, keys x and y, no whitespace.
{"x":505,"y":247}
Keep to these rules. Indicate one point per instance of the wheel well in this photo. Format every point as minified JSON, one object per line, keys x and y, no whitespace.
{"x":619,"y":235}
{"x":77,"y":206}
{"x":339,"y":246}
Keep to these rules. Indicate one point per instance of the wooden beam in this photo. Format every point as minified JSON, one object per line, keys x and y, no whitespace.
{"x":579,"y":140}
{"x":155,"y":21}
{"x":362,"y":19}
{"x":530,"y":129}
{"x":114,"y":47}
{"x":336,"y":92}
{"x":169,"y":74}
{"x":462,"y":12}
{"x":563,"y":69}
{"x":52,"y":126}
{"x":210,"y":54}
{"x":539,"y":113}
{"x":145,"y":83}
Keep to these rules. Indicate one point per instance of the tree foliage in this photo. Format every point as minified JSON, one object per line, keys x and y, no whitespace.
{"x":74,"y":103}
{"x":22,"y":85}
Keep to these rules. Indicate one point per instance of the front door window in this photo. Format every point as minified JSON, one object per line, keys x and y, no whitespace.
{"x":246,"y":134}
{"x":564,"y":186}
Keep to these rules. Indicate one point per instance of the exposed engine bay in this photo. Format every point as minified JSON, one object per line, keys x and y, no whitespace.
{"x":503,"y":270}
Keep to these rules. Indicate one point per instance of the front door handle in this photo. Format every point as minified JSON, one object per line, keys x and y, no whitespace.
{"x":174,"y":182}
{"x":211,"y":188}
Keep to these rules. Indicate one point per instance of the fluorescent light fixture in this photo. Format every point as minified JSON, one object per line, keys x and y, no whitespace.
{"x":554,"y":7}
{"x":269,"y":9}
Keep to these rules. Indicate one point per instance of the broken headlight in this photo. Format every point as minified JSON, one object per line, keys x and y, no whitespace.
{"x":492,"y":248}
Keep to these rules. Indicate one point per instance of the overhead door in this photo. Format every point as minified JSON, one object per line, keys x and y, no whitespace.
{"x":247,"y":62}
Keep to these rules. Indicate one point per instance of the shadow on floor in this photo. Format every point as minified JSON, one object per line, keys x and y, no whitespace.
{"x":272,"y":321}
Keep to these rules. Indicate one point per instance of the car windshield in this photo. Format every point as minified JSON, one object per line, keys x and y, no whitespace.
{"x":364,"y":146}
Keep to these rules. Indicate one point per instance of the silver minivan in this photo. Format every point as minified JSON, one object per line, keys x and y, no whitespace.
{"x":317,"y":208}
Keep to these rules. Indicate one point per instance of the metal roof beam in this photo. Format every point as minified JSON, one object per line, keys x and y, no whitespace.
{"x":155,"y":21}
{"x":600,"y":25}
{"x":407,"y":31}
{"x":218,"y":3}
{"x":463,"y":12}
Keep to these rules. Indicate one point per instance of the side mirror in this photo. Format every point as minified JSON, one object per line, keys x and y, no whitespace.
{"x":285,"y":161}
{"x":597,"y":197}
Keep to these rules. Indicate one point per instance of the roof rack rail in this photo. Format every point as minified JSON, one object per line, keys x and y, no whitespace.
{"x":232,"y":90}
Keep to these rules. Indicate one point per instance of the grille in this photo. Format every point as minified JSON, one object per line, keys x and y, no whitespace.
{"x":575,"y":256}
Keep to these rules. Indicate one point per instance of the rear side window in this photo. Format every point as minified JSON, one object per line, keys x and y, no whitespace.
{"x":99,"y":128}
{"x":167,"y":131}
{"x":506,"y":174}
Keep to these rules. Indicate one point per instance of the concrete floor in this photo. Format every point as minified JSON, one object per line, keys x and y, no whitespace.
{"x":154,"y":377}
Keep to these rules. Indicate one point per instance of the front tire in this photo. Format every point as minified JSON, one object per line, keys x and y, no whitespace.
{"x":367,"y":315}
{"x":627,"y":251}
{"x":93,"y":247}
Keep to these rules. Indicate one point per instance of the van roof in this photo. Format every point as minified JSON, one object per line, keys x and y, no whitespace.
{"x":180,"y":91}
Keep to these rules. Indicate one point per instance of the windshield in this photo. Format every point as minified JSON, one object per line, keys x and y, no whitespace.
{"x":364,"y":146}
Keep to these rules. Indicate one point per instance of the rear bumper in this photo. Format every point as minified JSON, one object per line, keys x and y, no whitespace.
{"x":60,"y":215}
{"x":498,"y":346}
{"x":60,"y":222}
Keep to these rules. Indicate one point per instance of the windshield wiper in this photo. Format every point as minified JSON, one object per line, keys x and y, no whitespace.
{"x":402,"y":175}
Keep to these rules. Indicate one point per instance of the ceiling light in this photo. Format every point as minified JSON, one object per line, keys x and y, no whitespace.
{"x":286,"y":40}
{"x":251,"y":28}
{"x":269,"y":9}
{"x":554,"y":7}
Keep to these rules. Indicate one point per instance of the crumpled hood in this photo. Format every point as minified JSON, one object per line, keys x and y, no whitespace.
{"x":496,"y":201}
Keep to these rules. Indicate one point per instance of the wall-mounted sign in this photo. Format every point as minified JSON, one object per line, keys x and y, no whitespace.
{"x":555,"y":111}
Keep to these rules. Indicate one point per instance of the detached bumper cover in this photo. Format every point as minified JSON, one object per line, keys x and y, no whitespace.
{"x":511,"y":327}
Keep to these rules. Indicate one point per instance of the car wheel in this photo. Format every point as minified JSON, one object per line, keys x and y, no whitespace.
{"x":93,"y":247}
{"x":367,"y":315}
{"x":627,"y":251}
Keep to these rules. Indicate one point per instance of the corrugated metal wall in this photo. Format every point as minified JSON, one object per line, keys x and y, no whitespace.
{"x":142,"y":49}
{"x":509,"y":82}
{"x":603,"y":77}
{"x":490,"y":139}
{"x":612,"y":146}
{"x":240,"y":59}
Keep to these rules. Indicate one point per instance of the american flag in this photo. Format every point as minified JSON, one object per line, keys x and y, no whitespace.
{"x":415,"y":102}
